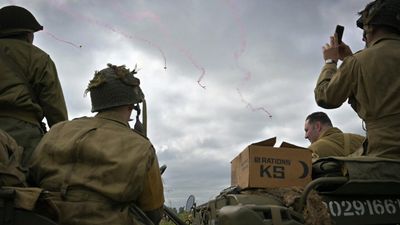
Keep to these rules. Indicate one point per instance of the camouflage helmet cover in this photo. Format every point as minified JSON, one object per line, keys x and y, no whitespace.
{"x":114,"y":86}
{"x":381,"y":12}
{"x":15,"y":20}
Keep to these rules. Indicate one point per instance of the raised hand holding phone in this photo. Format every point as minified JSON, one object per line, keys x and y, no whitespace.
{"x":339,"y":33}
{"x":336,"y":49}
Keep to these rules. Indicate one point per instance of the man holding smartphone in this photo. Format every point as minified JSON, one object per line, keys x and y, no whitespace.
{"x":369,"y":79}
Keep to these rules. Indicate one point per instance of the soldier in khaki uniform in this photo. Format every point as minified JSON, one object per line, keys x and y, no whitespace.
{"x":29,"y":87}
{"x":369,"y":79}
{"x":327,"y":140}
{"x":97,"y":169}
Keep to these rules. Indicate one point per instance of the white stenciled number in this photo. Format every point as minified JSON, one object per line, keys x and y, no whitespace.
{"x":369,"y":206}
{"x":334,"y":208}
{"x":390,"y":206}
{"x":359,"y":207}
{"x":378,"y":207}
{"x":347,"y":209}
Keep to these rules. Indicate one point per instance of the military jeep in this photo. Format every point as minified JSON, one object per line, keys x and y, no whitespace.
{"x":350,"y":191}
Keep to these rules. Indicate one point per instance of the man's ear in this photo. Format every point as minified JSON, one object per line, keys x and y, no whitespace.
{"x":130,"y":107}
{"x":29,"y":37}
{"x":318,"y":126}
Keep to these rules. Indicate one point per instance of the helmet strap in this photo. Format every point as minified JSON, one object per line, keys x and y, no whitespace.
{"x":139,"y":126}
{"x":144,"y":117}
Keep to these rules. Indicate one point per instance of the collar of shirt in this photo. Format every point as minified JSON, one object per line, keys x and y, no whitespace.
{"x":329,"y":131}
{"x":113,"y":116}
{"x":386,"y":37}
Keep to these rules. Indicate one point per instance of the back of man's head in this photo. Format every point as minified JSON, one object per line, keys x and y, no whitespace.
{"x":319,"y":117}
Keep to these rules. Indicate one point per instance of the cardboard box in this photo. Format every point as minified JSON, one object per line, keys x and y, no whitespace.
{"x":261,"y":165}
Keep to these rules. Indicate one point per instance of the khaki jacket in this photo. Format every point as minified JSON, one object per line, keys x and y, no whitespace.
{"x":13,"y":179}
{"x":11,"y":172}
{"x":333,"y":142}
{"x":370,"y":81}
{"x":40,"y":72}
{"x":95,"y":168}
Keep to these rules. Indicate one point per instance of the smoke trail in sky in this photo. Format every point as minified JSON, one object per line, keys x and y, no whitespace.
{"x":107,"y":26}
{"x":12,"y":2}
{"x":237,"y":54}
{"x":250,"y":106}
{"x":156,"y":19}
{"x":242,"y":32}
{"x":61,"y":40}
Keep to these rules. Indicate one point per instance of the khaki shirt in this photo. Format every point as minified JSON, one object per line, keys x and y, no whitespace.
{"x":40,"y":72}
{"x":95,"y":167}
{"x":370,"y":81}
{"x":333,"y":142}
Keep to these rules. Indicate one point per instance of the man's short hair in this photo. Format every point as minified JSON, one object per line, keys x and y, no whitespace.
{"x":319,"y":117}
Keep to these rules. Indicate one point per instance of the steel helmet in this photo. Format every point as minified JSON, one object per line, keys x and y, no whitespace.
{"x":381,"y":13}
{"x":114,"y":86}
{"x":15,"y":20}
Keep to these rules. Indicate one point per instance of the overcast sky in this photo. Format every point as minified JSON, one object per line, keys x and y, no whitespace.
{"x":237,"y":72}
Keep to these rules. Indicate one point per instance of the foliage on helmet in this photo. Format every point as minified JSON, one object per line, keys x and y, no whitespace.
{"x":114,"y":86}
{"x":121,"y":72}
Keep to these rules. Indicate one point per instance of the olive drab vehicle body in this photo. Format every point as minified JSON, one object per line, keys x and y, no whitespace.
{"x":352,"y":191}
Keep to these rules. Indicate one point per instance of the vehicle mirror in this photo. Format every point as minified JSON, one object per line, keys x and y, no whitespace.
{"x":190,"y":203}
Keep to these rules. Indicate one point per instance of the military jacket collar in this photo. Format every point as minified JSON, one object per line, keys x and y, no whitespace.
{"x":385,"y":37}
{"x":113,"y":116}
{"x":329,"y":131}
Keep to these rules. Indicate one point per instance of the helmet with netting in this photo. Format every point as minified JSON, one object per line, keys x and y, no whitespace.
{"x":381,"y":13}
{"x":16,"y":20}
{"x":114,"y":86}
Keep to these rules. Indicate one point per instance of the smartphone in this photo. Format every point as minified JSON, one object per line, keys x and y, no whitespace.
{"x":339,"y":31}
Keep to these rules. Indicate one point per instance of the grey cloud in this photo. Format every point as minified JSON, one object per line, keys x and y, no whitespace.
{"x":197,"y":131}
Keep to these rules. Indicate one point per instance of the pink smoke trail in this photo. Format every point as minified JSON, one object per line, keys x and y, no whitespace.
{"x":242,"y":32}
{"x":156,"y":19}
{"x":107,"y":26}
{"x":250,"y":106}
{"x":237,"y":54}
{"x":61,"y":40}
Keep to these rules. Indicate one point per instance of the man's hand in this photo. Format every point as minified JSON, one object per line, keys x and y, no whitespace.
{"x":336,"y":51}
{"x":344,"y":51}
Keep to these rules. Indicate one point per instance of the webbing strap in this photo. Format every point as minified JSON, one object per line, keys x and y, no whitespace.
{"x":346,"y":138}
